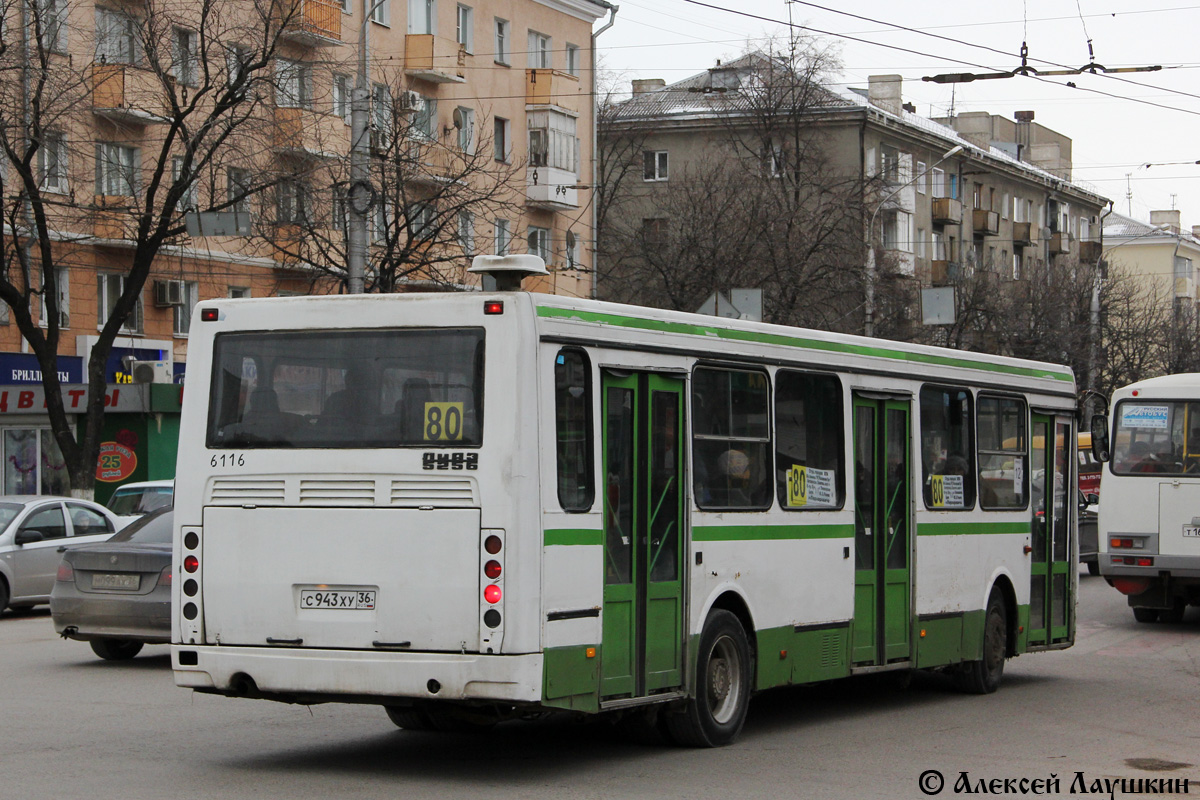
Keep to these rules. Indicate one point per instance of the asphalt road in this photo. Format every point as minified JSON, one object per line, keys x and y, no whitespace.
{"x":1123,"y":703}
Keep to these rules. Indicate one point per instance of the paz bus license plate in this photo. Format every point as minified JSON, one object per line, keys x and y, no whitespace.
{"x":352,"y":599}
{"x":1191,"y":530}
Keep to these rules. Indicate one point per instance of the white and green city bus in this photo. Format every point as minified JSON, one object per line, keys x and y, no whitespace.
{"x":468,"y":507}
{"x":1149,"y":525}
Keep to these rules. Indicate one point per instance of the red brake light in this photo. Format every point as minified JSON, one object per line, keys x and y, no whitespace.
{"x":492,"y":544}
{"x":164,"y":577}
{"x":210,"y":314}
{"x":1145,"y":562}
{"x":492,"y":594}
{"x":492,"y":569}
{"x":191,"y":564}
{"x":1122,"y":542}
{"x":493,"y":307}
{"x":1130,"y":586}
{"x":65,"y":573}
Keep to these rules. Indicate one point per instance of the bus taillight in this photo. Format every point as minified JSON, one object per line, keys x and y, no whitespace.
{"x":491,"y":591}
{"x":492,"y":594}
{"x":191,"y":564}
{"x":492,"y":544}
{"x":1130,"y":586}
{"x":492,"y":569}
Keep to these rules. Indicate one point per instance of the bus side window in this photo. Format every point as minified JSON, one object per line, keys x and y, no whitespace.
{"x":573,"y":430}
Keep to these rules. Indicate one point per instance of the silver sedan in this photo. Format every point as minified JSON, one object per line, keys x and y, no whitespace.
{"x":117,"y":595}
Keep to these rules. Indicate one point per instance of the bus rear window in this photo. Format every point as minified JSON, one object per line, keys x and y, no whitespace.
{"x":1156,"y":437}
{"x":347,"y":389}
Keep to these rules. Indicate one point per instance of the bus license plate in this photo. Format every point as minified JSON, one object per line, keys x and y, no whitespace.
{"x":352,"y":600}
{"x":1191,"y":530}
{"x":106,"y":581}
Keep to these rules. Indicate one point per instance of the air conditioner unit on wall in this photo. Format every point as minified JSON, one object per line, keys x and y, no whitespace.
{"x":152,"y":372}
{"x":168,"y":293}
{"x":410,"y":101}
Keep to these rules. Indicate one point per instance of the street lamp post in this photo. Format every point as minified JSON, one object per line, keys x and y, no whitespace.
{"x":869,"y":305}
{"x":360,"y":195}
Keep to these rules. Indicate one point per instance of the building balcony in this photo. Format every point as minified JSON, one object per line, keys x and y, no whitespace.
{"x":128,"y":94}
{"x":1060,"y":243}
{"x":1185,"y":287}
{"x":943,"y":273}
{"x":1089,"y":252}
{"x":111,"y":218}
{"x":312,"y":23}
{"x":985,"y":223}
{"x":432,"y":58}
{"x":310,"y":134}
{"x":1024,"y":233}
{"x":549,"y":87}
{"x":286,"y":244}
{"x":946,"y":211}
{"x":551,"y":189}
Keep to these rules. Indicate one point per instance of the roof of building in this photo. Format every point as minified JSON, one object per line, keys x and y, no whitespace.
{"x":721,"y":91}
{"x":1119,"y":226}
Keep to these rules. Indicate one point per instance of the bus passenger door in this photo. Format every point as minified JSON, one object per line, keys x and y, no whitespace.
{"x":642,"y":646}
{"x":1051,"y":562}
{"x":882,"y":532}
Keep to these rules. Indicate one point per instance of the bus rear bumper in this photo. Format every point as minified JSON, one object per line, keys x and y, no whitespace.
{"x":306,"y":676}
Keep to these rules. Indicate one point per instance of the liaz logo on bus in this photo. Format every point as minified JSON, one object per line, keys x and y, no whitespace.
{"x":443,"y":422}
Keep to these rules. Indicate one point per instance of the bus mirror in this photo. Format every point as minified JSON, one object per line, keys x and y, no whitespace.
{"x":1100,"y":438}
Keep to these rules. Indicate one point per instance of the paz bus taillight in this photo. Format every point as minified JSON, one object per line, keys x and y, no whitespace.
{"x":190,"y":573}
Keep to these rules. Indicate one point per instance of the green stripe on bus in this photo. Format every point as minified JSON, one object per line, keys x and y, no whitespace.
{"x":964,"y":528}
{"x":796,"y":341}
{"x":747,"y":533}
{"x":569,"y":536}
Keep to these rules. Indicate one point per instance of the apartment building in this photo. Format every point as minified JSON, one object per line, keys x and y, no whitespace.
{"x":937,"y":200}
{"x":1161,"y":256}
{"x":504,"y":86}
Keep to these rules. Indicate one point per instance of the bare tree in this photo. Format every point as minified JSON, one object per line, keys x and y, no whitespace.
{"x":154,"y":109}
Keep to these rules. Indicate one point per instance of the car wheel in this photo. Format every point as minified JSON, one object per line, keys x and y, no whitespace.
{"x":983,"y":676}
{"x":724,"y":675}
{"x":115,"y":649}
{"x":1093,"y":568}
{"x":3,"y":595}
{"x":1145,"y":614}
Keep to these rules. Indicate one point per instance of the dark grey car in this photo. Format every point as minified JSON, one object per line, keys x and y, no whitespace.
{"x":117,"y":595}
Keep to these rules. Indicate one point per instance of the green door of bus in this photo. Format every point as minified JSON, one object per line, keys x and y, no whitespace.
{"x":642,"y":646}
{"x":882,"y":532}
{"x":1050,"y":567}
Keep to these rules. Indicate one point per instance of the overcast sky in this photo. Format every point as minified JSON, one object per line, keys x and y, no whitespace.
{"x":1119,"y":123}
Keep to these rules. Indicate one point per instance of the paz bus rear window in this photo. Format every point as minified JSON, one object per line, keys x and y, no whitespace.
{"x":347,"y":389}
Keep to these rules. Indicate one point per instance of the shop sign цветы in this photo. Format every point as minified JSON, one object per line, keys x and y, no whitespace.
{"x":32,"y":399}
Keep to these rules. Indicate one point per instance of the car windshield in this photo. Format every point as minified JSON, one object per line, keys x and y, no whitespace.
{"x":151,"y":529}
{"x":8,"y":512}
{"x":127,"y":502}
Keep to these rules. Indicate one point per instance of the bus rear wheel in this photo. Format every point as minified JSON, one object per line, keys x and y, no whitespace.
{"x":1145,"y":614}
{"x":724,"y":674}
{"x":983,"y":676}
{"x":409,"y":718}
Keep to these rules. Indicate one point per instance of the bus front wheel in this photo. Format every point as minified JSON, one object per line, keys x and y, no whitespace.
{"x":983,"y":676}
{"x":724,"y":674}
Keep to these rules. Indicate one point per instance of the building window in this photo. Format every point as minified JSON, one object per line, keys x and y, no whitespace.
{"x":382,"y":220}
{"x":293,"y":84}
{"x":343,"y":88}
{"x":539,"y":243}
{"x":184,"y":57}
{"x":897,"y":231}
{"x":573,"y":59}
{"x":422,"y":16}
{"x":503,"y":236}
{"x":539,"y":50}
{"x":731,"y":440}
{"x":182,"y":314}
{"x":1004,"y":206}
{"x":464,"y":122}
{"x":938,"y":242}
{"x":921,"y":177}
{"x":573,"y":423}
{"x":552,"y":140}
{"x":809,"y":453}
{"x":424,"y":125}
{"x":238,"y":292}
{"x":937,"y":180}
{"x":382,"y":117}
{"x":920,"y":242}
{"x":1017,"y":267}
{"x":116,"y":37}
{"x":654,"y":165}
{"x":339,"y":209}
{"x":62,"y":287}
{"x":465,"y":29}
{"x":501,"y":139}
{"x":108,"y":290}
{"x":571,"y":250}
{"x":236,"y":59}
{"x":291,"y":202}
{"x":381,"y":12}
{"x":891,"y":163}
{"x":466,"y":233}
{"x":188,"y":201}
{"x":946,"y":450}
{"x":502,"y":44}
{"x":237,"y":190}
{"x":33,"y":464}
{"x":116,"y":170}
{"x":52,"y":17}
{"x":52,"y":162}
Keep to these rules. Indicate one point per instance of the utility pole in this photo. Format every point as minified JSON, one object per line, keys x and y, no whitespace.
{"x":360,"y":196}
